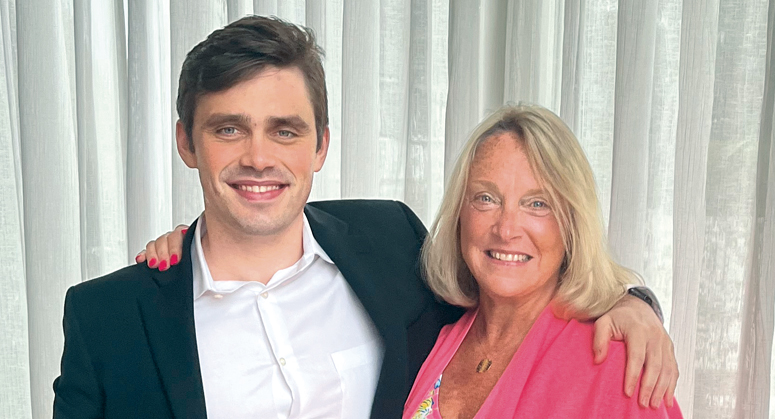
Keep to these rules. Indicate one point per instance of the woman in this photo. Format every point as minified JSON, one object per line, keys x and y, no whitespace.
{"x":519,"y":242}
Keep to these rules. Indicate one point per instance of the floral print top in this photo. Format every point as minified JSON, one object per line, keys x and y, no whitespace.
{"x":429,"y":408}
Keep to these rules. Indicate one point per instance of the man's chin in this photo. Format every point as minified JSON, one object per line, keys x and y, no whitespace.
{"x":264,"y":226}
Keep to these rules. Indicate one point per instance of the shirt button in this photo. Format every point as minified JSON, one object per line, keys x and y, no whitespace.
{"x":282,"y":361}
{"x":218,"y":296}
{"x":265,"y":294}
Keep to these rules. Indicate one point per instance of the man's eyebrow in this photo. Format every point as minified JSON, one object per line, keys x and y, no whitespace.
{"x":292,"y":121}
{"x":226,"y":118}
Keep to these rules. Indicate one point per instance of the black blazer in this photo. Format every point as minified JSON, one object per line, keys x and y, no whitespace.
{"x":130,"y":343}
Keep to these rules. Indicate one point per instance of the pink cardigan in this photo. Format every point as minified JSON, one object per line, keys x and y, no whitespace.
{"x":552,"y":375}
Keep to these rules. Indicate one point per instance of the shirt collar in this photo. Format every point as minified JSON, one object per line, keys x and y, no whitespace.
{"x":203,"y":280}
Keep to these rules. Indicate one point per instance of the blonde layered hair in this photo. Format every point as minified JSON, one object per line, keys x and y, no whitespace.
{"x":590,"y":280}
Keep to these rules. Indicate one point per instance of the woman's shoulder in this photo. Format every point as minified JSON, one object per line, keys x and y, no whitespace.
{"x":571,"y":347}
{"x":568,"y":360}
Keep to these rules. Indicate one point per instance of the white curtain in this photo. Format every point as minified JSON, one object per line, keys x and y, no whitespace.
{"x":673,"y":101}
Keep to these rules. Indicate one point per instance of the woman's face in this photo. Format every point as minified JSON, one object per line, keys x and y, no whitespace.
{"x":509,"y":236}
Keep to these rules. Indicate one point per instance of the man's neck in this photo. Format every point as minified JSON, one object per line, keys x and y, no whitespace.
{"x":235,"y":256}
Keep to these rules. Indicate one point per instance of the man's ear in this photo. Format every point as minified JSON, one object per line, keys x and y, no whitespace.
{"x":322,"y":151}
{"x":185,"y":145}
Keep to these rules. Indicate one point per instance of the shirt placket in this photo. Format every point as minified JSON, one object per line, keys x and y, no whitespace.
{"x":271,"y":317}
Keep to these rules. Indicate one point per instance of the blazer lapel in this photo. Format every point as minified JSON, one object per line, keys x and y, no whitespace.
{"x":353,"y":255}
{"x":168,"y":316}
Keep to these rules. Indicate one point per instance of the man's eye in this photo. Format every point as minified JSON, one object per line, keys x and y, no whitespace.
{"x":228,"y":130}
{"x":285,"y":134}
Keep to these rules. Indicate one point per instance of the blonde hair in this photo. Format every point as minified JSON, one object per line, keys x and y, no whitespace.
{"x":590,"y":280}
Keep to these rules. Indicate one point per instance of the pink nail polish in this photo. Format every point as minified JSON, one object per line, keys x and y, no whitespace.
{"x":184,"y":231}
{"x":163,"y":265}
{"x":152,"y":263}
{"x":173,"y":260}
{"x":137,"y":259}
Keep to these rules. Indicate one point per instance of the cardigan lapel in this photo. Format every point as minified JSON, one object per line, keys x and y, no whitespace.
{"x":354,"y":256}
{"x":168,"y":317}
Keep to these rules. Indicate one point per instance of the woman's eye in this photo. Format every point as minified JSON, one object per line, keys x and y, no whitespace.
{"x":537,"y":207}
{"x":484,"y":199}
{"x":484,"y":202}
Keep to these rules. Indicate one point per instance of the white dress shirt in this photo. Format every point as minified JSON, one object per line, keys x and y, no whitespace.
{"x":301,"y":346}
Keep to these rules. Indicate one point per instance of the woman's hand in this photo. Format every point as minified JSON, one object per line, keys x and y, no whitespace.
{"x":165,"y":251}
{"x":635,"y":323}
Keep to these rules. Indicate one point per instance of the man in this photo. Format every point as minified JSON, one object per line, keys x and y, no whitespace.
{"x":275,"y":308}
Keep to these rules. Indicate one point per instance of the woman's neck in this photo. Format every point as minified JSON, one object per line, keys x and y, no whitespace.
{"x":500,"y":319}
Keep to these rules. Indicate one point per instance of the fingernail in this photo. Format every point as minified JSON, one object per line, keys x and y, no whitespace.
{"x":137,"y":259}
{"x":629,"y":391}
{"x":183,"y":232}
{"x":163,"y":265}
{"x":152,"y":263}
{"x":173,"y":260}
{"x":644,"y":402}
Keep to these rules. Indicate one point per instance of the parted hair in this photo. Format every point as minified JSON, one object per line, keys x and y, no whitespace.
{"x":244,"y":48}
{"x":590,"y":281}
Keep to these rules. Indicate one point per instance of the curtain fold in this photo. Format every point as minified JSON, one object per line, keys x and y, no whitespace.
{"x":149,"y":153}
{"x":15,"y":397}
{"x":533,"y":52}
{"x":696,"y":82}
{"x":755,"y":361}
{"x":476,"y":69}
{"x":425,"y":111}
{"x":49,"y":162}
{"x":572,"y":55}
{"x":237,"y":9}
{"x":190,"y":23}
{"x":361,"y":100}
{"x":633,"y":88}
{"x":672,"y":100}
{"x":100,"y":160}
{"x":326,"y":19}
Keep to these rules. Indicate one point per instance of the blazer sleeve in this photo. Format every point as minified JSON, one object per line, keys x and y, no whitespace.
{"x":77,"y":392}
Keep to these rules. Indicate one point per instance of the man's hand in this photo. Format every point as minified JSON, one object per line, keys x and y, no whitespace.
{"x":164,"y":251}
{"x":635,"y":323}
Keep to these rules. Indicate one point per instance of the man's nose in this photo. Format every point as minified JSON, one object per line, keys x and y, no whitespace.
{"x":258,"y":153}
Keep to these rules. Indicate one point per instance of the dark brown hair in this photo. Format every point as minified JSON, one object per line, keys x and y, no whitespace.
{"x":241,"y":50}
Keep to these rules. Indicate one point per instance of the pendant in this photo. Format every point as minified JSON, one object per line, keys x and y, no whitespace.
{"x":484,"y":365}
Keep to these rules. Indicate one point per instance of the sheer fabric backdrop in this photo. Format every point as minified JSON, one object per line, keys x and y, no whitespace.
{"x":673,"y":101}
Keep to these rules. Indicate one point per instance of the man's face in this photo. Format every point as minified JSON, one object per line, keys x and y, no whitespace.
{"x":255,"y":147}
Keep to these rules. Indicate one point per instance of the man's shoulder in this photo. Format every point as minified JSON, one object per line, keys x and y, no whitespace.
{"x":372,"y":214}
{"x":121,"y":285}
{"x":366,"y":208}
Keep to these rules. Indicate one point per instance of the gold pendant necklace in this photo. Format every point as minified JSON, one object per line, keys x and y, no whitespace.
{"x":484,"y":365}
